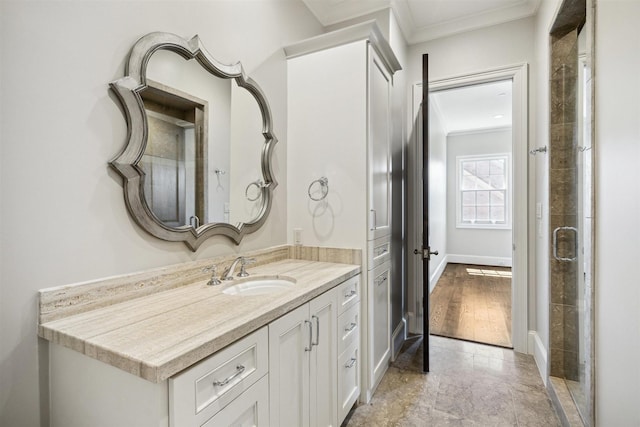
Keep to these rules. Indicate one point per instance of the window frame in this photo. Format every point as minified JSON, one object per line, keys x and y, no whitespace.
{"x":508,"y":196}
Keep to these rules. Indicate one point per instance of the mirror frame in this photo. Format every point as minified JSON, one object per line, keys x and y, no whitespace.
{"x":127,"y":90}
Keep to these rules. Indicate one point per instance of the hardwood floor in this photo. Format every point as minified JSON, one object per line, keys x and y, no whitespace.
{"x":473,"y":303}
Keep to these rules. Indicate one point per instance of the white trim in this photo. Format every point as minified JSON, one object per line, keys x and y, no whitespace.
{"x":537,"y":348}
{"x":519,"y":297}
{"x":480,"y":131}
{"x":399,"y":331}
{"x":479,"y":260}
{"x":438,"y":272}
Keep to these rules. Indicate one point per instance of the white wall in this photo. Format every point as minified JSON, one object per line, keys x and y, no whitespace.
{"x":539,"y":177}
{"x":617,"y":145}
{"x":63,"y":214}
{"x":475,"y":244}
{"x":488,"y":48}
{"x":437,"y":195}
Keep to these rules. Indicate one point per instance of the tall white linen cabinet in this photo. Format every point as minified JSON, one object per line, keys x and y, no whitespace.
{"x":339,"y":128}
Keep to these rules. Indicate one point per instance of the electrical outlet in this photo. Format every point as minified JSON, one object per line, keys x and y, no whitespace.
{"x":297,"y":236}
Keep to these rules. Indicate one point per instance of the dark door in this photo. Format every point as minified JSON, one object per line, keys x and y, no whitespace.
{"x":426,"y":249}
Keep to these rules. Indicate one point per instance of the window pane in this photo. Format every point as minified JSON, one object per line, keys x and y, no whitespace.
{"x":482,"y":213}
{"x":469,"y":167}
{"x":468,"y":214}
{"x":483,"y":182}
{"x":482,"y":198}
{"x":497,"y":214}
{"x":483,"y":167}
{"x":468,"y":198}
{"x":497,"y":181}
{"x":468,"y":182}
{"x":497,"y":198}
{"x":497,"y":167}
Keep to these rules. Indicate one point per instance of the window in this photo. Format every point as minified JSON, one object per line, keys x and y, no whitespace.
{"x":483,"y":191}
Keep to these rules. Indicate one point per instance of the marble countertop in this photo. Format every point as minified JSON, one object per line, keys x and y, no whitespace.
{"x":159,"y":335}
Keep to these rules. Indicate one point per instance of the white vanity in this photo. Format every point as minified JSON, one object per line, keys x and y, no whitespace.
{"x":163,"y":348}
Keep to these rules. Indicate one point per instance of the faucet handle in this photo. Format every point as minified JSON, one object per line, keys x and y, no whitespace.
{"x":243,"y":266}
{"x":214,"y":271}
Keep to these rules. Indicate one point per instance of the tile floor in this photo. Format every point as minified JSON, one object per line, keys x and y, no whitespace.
{"x":469,"y":385}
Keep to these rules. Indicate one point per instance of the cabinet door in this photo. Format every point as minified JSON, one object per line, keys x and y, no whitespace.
{"x":324,"y":380}
{"x":250,"y":409}
{"x":379,"y":322}
{"x":289,"y":350}
{"x":379,"y":157}
{"x":348,"y":380}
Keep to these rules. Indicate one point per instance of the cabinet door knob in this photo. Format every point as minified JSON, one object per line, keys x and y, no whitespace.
{"x":352,"y":362}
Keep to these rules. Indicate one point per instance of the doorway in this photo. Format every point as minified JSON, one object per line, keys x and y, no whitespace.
{"x":471,"y":197}
{"x":518,"y":77}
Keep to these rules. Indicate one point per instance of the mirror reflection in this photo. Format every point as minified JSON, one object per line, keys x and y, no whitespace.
{"x":202,"y":160}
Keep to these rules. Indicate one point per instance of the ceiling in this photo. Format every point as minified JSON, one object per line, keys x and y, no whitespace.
{"x":422,"y":20}
{"x":477,"y":107}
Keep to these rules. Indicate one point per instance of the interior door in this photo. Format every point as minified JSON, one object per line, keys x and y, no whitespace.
{"x":426,"y":250}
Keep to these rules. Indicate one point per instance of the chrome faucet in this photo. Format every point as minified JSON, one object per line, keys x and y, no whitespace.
{"x":214,"y":279}
{"x":228,"y":273}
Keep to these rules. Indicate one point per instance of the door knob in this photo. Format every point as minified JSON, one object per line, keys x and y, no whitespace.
{"x":426,"y":253}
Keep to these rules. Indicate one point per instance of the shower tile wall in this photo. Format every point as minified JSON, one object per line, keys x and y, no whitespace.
{"x":563,"y":204}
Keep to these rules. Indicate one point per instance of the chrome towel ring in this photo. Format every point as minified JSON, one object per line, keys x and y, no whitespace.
{"x":324,"y":188}
{"x":259,"y":186}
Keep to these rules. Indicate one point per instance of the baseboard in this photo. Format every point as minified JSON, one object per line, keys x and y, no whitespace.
{"x":438,"y":272}
{"x":397,"y":339}
{"x":536,"y":347}
{"x":479,"y":260}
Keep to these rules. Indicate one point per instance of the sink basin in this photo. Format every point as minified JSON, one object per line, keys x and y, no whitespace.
{"x":260,"y":286}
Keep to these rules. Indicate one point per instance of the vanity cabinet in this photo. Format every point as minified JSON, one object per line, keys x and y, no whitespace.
{"x":303,"y":365}
{"x":299,"y":369}
{"x":339,"y":127}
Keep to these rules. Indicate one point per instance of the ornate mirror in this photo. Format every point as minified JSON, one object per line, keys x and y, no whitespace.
{"x":198,"y":158}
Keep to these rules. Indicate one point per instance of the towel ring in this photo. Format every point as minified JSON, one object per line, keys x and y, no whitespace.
{"x":324,"y":185}
{"x":259,"y":184}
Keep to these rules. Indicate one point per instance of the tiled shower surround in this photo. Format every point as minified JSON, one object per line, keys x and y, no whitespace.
{"x":563,"y":207}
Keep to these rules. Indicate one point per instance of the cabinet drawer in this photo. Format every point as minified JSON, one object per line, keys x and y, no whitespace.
{"x":249,"y":410}
{"x":379,"y":251}
{"x":348,"y":293}
{"x":348,"y":328}
{"x":204,"y":389}
{"x":348,"y":380}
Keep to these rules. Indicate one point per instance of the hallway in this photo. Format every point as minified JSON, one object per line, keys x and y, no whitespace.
{"x":469,"y":384}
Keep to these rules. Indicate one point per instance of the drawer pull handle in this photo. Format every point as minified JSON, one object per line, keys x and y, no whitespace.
{"x":317,"y":341}
{"x":239,"y":370}
{"x":351,"y":363}
{"x":310,"y":346}
{"x":381,"y":281}
{"x":351,"y":327}
{"x":350,"y":294}
{"x":381,"y":251}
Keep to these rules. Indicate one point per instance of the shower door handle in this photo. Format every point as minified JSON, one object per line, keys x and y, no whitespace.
{"x":555,"y":243}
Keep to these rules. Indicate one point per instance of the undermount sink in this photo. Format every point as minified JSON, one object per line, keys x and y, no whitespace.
{"x":260,"y":286}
